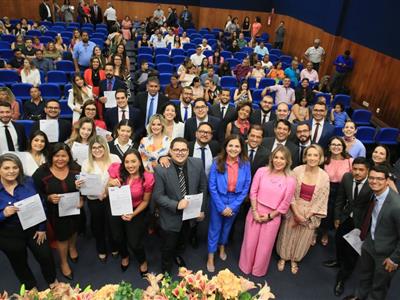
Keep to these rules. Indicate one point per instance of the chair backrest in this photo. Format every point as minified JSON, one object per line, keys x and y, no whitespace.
{"x":264,"y":82}
{"x":6,"y":53}
{"x":188,"y":46}
{"x":162,"y":59}
{"x":161,"y":51}
{"x":366,"y":134}
{"x":387,"y":136}
{"x":226,"y":54}
{"x":240,"y":55}
{"x":177,"y":51}
{"x":252,"y":82}
{"x":9,"y":76}
{"x":165,"y":68}
{"x":361,"y":116}
{"x":59,"y":77}
{"x":228,"y":81}
{"x":165,"y":78}
{"x":65,"y":65}
{"x":147,"y":57}
{"x":8,"y":38}
{"x":50,"y":91}
{"x":21,"y":90}
{"x":345,"y":99}
{"x":27,"y":125}
{"x":145,"y":50}
{"x":178,"y":59}
{"x":276,"y":52}
{"x":233,"y":62}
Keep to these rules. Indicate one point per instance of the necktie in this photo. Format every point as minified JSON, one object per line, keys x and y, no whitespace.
{"x":9,"y":139}
{"x":150,"y":112}
{"x":251,"y":156}
{"x":356,"y":191}
{"x":109,"y":85}
{"x":367,"y":221}
{"x":302,"y":152}
{"x":123,"y":115}
{"x":185,"y":117}
{"x":314,"y":140}
{"x":222,"y":112}
{"x":203,"y":156}
{"x":264,"y":118}
{"x":182,"y":183}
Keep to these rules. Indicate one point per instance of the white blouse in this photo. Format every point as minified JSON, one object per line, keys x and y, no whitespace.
{"x":33,"y":77}
{"x":76,"y":106}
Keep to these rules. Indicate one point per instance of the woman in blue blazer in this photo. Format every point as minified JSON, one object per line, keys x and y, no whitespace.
{"x":229,"y":182}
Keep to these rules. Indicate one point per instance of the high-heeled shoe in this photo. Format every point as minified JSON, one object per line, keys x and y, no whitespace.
{"x":74,"y":259}
{"x":70,"y":276}
{"x":102,"y":259}
{"x":210,"y":268}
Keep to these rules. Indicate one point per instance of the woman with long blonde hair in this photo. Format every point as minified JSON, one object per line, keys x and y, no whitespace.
{"x":78,"y":95}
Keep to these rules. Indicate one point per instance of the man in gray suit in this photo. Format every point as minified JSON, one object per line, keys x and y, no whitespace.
{"x":172,"y":184}
{"x":380,"y":253}
{"x":353,"y":198}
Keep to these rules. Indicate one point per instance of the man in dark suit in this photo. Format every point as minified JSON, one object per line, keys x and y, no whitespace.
{"x":152,"y":101}
{"x":172,"y":184}
{"x":185,"y":19}
{"x":45,"y":11}
{"x":223,"y":111}
{"x":351,"y":205}
{"x":303,"y":133}
{"x":184,"y":109}
{"x":321,"y":129}
{"x":282,"y":113}
{"x":96,"y":13}
{"x":265,"y":113}
{"x":12,"y":134}
{"x":282,"y":132}
{"x":111,"y":83}
{"x":52,"y":110}
{"x":124,"y":111}
{"x":380,"y":230}
{"x":258,"y":154}
{"x":201,"y":115}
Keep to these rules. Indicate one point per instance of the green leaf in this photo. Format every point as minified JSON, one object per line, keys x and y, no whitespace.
{"x":245,"y":296}
{"x":88,"y":288}
{"x":22,"y":290}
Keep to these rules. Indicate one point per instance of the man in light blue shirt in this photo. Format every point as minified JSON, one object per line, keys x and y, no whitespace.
{"x":260,"y":49}
{"x":83,"y":51}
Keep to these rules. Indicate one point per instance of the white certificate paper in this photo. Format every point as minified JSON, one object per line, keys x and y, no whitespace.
{"x":30,"y":211}
{"x":68,"y":205}
{"x":80,"y":152}
{"x":102,"y":132}
{"x":194,"y":208}
{"x":120,"y":200}
{"x":111,"y":102}
{"x":50,"y":128}
{"x":353,"y":238}
{"x":92,"y":184}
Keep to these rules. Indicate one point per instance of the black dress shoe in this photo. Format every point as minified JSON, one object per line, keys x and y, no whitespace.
{"x":331,"y":264}
{"x":70,"y":276}
{"x":180,"y":262}
{"x":339,"y":288}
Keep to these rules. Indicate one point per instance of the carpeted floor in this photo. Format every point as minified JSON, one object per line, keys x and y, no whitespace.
{"x":313,"y":281}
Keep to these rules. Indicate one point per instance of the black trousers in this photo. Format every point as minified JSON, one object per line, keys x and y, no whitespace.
{"x":129,"y":236}
{"x":327,"y":223}
{"x":172,"y":243}
{"x":316,"y":66}
{"x":278,"y":45}
{"x":374,"y":279}
{"x":14,"y":243}
{"x":345,"y":254}
{"x":100,"y":225}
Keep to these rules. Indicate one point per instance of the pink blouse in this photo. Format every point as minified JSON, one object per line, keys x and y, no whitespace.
{"x":306,"y":191}
{"x":233,"y":171}
{"x":337,"y":168}
{"x":138,"y":186}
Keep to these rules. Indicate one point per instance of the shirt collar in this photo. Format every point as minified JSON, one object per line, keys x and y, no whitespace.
{"x":232,"y":163}
{"x":362,"y":181}
{"x":382,"y":197}
{"x":117,"y":143}
{"x":197,"y":146}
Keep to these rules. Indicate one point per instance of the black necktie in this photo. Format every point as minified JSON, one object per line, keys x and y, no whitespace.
{"x":251,"y":156}
{"x":314,"y":140}
{"x":367,"y":221}
{"x":302,"y":152}
{"x":264,"y":118}
{"x":9,"y":139}
{"x":123,"y":115}
{"x":182,"y":183}
{"x":203,"y":156}
{"x":222,"y":112}
{"x":356,"y":191}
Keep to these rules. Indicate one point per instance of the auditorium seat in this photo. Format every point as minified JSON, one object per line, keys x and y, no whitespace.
{"x":361,"y":117}
{"x":366,"y":134}
{"x":6,"y":54}
{"x":228,"y":82}
{"x":65,"y":65}
{"x":344,"y":99}
{"x":21,"y":90}
{"x":175,"y":52}
{"x":162,"y":59}
{"x":50,"y":91}
{"x":387,"y":136}
{"x":264,"y":82}
{"x":233,"y":62}
{"x":145,"y":50}
{"x":27,"y":125}
{"x":9,"y":77}
{"x":165,"y":78}
{"x":276,"y":52}
{"x":226,"y":54}
{"x":161,"y":51}
{"x":66,"y":112}
{"x":57,"y":77}
{"x":165,"y":68}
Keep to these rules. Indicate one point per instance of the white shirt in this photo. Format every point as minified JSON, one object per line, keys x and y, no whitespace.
{"x":225,"y":109}
{"x":201,"y":121}
{"x":315,"y":54}
{"x":208,"y":154}
{"x":321,"y":127}
{"x":159,"y":43}
{"x":197,"y":59}
{"x":31,"y":165}
{"x":125,"y":147}
{"x":178,"y":130}
{"x":33,"y":77}
{"x":267,"y":116}
{"x":3,"y":139}
{"x":111,"y":14}
{"x":120,"y":112}
{"x":249,"y":151}
{"x":380,"y":200}
{"x":283,"y":94}
{"x":276,"y":142}
{"x":189,"y":111}
{"x":169,"y":39}
{"x":48,"y":9}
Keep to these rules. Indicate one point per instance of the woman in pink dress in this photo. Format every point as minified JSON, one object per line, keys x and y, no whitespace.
{"x":271,"y":193}
{"x":127,"y":28}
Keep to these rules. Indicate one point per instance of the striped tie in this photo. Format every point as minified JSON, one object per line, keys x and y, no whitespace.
{"x":182,"y":183}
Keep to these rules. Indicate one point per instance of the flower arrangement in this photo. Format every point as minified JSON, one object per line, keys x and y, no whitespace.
{"x":191,"y":286}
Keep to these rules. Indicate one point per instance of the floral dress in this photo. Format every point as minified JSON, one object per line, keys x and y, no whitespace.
{"x":150,"y":154}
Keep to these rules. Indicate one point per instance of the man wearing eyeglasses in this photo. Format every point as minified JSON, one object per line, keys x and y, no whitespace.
{"x":380,"y":230}
{"x":172,"y":184}
{"x":200,"y":109}
{"x":321,"y":129}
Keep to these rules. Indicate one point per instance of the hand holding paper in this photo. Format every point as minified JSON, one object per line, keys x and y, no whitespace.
{"x":193,"y":208}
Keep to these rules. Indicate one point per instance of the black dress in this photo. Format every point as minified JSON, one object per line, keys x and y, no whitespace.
{"x":236,"y":130}
{"x":47,"y":184}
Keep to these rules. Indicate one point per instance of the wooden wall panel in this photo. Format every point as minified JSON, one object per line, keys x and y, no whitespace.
{"x":375,"y":77}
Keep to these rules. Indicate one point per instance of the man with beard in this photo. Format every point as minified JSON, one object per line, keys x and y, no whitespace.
{"x":184,"y":109}
{"x":111,"y":83}
{"x":282,"y":113}
{"x":303,"y":133}
{"x":82,"y":54}
{"x":223,"y":111}
{"x":265,"y":113}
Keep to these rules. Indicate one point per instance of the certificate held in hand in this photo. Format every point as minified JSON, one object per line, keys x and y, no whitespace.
{"x":120,"y":200}
{"x":69,"y":204}
{"x":194,"y":208}
{"x":30,"y":211}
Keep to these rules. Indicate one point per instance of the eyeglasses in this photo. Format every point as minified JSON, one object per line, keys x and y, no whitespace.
{"x":336,"y":145}
{"x":201,"y":107}
{"x":97,"y":148}
{"x":52,"y":108}
{"x":319,"y":110}
{"x":376,"y":178}
{"x":90,"y":109}
{"x":183,"y":151}
{"x":204,"y":132}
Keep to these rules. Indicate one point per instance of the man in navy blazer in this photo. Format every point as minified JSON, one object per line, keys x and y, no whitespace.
{"x":265,"y":113}
{"x":11,"y":129}
{"x":184,"y":110}
{"x":143,"y":101}
{"x":124,"y":111}
{"x":321,"y":129}
{"x":111,"y":83}
{"x":224,"y":111}
{"x":201,"y":115}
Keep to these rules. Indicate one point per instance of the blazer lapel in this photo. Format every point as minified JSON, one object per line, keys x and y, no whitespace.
{"x":385,"y":205}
